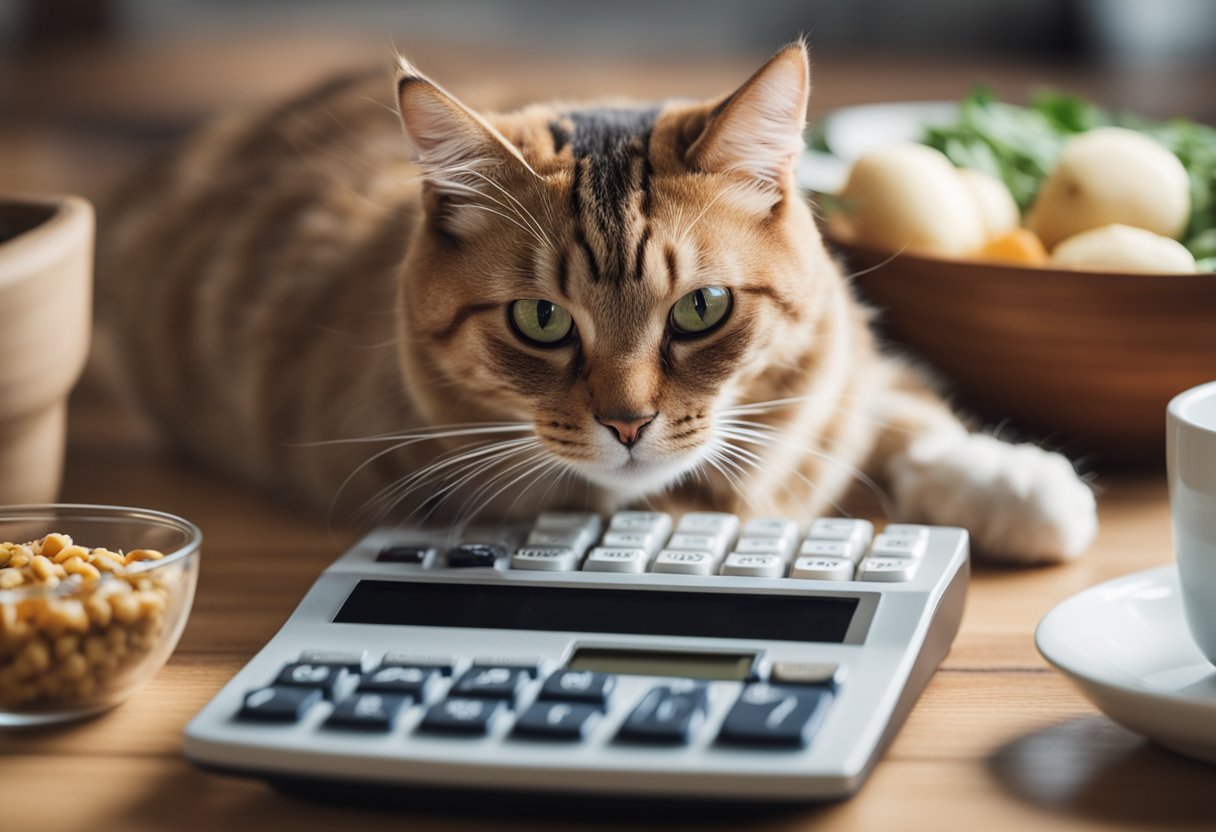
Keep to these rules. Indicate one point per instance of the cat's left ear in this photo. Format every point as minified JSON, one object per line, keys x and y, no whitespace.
{"x":460,"y":152}
{"x":757,"y":130}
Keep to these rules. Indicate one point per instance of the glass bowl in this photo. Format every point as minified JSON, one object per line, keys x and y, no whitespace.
{"x":83,"y":646}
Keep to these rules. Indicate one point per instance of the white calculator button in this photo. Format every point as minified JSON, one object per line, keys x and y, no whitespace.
{"x":609,"y":559}
{"x":685,"y":563}
{"x":839,"y":528}
{"x":545,"y":559}
{"x":577,"y":540}
{"x":631,"y":540}
{"x":764,"y":546}
{"x":770,"y":527}
{"x":754,"y":566}
{"x":830,"y":549}
{"x":698,"y":543}
{"x":906,"y":530}
{"x":896,"y":546}
{"x":823,"y":569}
{"x":568,"y":520}
{"x":887,"y":569}
{"x":641,"y":521}
{"x":709,"y":522}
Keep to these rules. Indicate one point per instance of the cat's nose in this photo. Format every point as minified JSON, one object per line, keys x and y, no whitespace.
{"x":625,"y":426}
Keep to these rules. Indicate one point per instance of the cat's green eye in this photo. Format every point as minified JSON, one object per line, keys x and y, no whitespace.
{"x":701,"y":311}
{"x":540,"y":322}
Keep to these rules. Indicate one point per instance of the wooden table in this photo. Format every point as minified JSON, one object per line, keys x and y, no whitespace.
{"x":998,"y":738}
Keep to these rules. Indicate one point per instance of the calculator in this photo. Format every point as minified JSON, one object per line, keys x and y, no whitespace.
{"x":642,"y":655}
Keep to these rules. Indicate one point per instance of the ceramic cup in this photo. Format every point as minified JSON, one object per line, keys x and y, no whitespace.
{"x":1191,"y":463}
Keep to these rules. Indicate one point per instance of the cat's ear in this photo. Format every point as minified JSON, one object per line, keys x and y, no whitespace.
{"x":757,"y":129}
{"x":461,"y":153}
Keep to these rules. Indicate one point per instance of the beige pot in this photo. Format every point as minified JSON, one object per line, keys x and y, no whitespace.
{"x":46,"y":289}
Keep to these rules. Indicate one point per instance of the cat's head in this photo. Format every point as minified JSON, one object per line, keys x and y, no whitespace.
{"x":613,"y":275}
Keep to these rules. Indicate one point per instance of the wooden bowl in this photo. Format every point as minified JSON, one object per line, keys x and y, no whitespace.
{"x":46,"y":271}
{"x":1085,"y":360}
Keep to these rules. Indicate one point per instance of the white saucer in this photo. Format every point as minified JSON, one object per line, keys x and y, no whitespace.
{"x":1126,"y":645}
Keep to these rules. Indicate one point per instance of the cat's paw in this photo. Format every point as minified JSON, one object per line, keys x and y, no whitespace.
{"x":1021,"y":503}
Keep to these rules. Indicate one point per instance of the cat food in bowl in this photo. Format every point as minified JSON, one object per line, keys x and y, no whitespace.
{"x":93,"y":600}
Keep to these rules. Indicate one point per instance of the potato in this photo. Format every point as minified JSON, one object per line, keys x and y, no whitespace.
{"x":1111,"y":176}
{"x":910,"y":197}
{"x":1122,"y":248}
{"x":998,"y":212}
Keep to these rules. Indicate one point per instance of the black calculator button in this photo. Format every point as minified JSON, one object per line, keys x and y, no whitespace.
{"x":557,"y":720}
{"x":775,"y":716}
{"x":529,"y":666}
{"x":502,"y":683}
{"x":578,"y":686}
{"x":409,"y":681}
{"x":322,"y":677}
{"x":367,"y":711}
{"x":667,"y":714}
{"x":278,"y":704}
{"x":475,"y":554}
{"x":440,"y":664}
{"x":418,"y":555}
{"x":461,"y":715}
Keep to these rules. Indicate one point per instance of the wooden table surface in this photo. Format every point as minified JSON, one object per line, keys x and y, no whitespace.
{"x":998,"y":740}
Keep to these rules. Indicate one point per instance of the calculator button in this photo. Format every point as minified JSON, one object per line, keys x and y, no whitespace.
{"x":641,"y":521}
{"x":716,"y":523}
{"x":475,"y":554}
{"x":577,"y":539}
{"x":529,"y":666}
{"x":823,"y":569}
{"x":764,"y":546}
{"x":367,"y":711}
{"x":278,"y":704}
{"x":459,"y":715}
{"x":544,"y":559}
{"x":830,"y":549}
{"x":353,"y":660}
{"x":667,"y":714}
{"x":440,"y":664}
{"x":754,"y":566}
{"x":503,"y":683}
{"x":686,"y":563}
{"x":579,"y":686}
{"x":898,"y":546}
{"x":715,"y":544}
{"x":775,"y":716}
{"x":608,"y":559}
{"x":770,"y":527}
{"x":569,"y":520}
{"x":557,"y":720}
{"x":322,"y":677}
{"x":416,"y":682}
{"x":824,"y":674}
{"x":890,"y":570}
{"x":418,"y":555}
{"x":839,"y":528}
{"x":631,"y":540}
{"x":906,"y":530}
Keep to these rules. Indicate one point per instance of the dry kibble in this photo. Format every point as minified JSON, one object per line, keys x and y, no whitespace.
{"x":62,"y":648}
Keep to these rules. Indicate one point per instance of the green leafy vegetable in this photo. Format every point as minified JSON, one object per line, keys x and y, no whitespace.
{"x":1019,"y":145}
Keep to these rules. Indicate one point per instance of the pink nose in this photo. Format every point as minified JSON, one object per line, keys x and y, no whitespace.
{"x":626,"y":427}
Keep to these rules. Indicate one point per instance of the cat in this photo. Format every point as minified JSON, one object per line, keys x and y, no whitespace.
{"x":592,"y":305}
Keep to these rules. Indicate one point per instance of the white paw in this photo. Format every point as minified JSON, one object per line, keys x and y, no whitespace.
{"x":1020,"y":503}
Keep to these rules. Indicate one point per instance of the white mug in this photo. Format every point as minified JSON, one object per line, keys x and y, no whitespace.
{"x":1190,"y":443}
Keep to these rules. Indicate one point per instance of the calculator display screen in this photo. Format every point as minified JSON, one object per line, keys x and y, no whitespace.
{"x":729,"y":666}
{"x":594,"y":610}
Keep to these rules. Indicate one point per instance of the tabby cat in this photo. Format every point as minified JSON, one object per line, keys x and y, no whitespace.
{"x":560,"y":306}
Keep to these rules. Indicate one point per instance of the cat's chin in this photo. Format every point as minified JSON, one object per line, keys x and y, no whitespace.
{"x":638,"y":478}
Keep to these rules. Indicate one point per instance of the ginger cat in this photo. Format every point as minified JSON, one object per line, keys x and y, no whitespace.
{"x":561,"y":306}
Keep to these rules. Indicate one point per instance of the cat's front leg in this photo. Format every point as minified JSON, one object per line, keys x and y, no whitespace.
{"x":1021,"y":503}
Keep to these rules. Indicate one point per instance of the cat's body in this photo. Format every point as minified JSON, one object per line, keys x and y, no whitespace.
{"x":295,"y":278}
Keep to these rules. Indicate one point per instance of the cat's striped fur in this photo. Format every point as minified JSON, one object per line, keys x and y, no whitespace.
{"x":305,"y":275}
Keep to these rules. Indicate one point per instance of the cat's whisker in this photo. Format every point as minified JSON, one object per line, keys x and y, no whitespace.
{"x":522,"y":210}
{"x":530,"y":465}
{"x":429,"y":433}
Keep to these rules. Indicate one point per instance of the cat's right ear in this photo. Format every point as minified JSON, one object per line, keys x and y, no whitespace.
{"x":462,"y":155}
